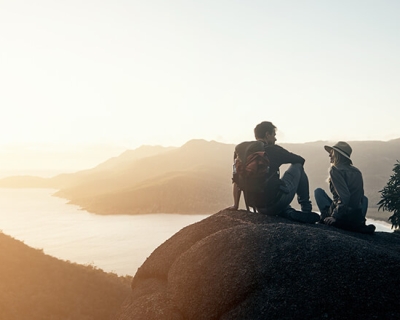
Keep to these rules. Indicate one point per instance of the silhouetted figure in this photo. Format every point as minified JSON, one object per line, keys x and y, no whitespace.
{"x":348,"y":208}
{"x":279,"y":192}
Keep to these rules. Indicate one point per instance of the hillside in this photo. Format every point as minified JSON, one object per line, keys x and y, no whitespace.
{"x":36,"y":286}
{"x":196,"y":178}
{"x":192,"y":179}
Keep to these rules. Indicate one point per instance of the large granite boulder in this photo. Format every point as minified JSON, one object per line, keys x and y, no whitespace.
{"x":239,"y":265}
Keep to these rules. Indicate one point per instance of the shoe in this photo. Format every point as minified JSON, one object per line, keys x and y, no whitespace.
{"x":305,"y":217}
{"x":369,"y":229}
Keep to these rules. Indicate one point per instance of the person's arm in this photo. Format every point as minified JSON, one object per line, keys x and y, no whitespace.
{"x":282,"y":156}
{"x":236,"y":197}
{"x":343,"y":193}
{"x":236,"y":192}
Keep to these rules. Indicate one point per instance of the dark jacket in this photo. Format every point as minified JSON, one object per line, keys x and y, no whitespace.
{"x":347,"y":187}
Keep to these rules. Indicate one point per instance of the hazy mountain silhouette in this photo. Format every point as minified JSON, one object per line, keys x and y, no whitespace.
{"x":196,"y":178}
{"x":36,"y":286}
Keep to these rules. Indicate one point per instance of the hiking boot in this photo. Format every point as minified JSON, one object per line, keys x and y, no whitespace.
{"x":300,"y":216}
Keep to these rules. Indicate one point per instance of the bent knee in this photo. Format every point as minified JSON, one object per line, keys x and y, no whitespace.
{"x":296,"y":167}
{"x":319,"y":191}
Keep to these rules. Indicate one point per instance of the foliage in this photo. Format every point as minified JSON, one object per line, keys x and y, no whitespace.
{"x":390,"y":196}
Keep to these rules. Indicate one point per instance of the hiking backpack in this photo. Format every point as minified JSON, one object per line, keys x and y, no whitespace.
{"x":250,"y":169}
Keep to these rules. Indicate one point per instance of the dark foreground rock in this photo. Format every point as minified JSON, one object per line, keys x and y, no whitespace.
{"x":238,"y":265}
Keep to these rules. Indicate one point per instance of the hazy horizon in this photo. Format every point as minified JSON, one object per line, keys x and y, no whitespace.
{"x":48,"y":161}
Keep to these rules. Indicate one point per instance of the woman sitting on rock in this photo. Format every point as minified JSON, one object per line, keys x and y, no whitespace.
{"x":349,"y":206}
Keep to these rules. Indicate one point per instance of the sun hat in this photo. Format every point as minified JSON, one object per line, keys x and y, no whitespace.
{"x":341,"y":147}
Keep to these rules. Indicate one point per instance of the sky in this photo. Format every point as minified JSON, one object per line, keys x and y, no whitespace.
{"x":93,"y":78}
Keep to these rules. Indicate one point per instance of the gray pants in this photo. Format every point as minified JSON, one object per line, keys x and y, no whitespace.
{"x":295,"y":182}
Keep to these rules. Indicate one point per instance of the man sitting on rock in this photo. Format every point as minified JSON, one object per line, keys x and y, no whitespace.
{"x":279,"y":192}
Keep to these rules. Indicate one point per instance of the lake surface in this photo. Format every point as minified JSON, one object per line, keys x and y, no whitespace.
{"x":118,"y":244}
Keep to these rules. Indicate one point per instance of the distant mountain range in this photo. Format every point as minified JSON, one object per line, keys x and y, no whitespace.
{"x":195,"y":178}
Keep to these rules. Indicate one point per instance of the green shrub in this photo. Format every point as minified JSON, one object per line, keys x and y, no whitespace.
{"x":390,"y":197}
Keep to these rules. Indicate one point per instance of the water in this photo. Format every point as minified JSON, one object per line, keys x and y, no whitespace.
{"x":380,"y":225}
{"x":118,"y":244}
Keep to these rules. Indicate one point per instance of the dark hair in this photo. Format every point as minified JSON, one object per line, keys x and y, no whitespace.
{"x":262,"y":128}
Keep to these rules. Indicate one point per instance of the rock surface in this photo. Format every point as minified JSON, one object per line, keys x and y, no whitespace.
{"x":239,"y":265}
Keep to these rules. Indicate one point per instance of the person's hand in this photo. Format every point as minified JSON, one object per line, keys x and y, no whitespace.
{"x":329,"y":221}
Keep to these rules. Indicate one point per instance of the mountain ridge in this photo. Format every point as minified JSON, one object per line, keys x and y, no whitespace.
{"x":147,"y":179}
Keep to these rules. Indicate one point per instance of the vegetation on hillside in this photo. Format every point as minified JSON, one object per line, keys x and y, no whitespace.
{"x":390,"y":197}
{"x":36,"y":286}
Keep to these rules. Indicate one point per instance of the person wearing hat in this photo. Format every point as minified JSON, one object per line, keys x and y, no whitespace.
{"x":348,"y":207}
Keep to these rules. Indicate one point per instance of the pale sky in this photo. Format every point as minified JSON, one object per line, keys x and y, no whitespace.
{"x":81,"y":73}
